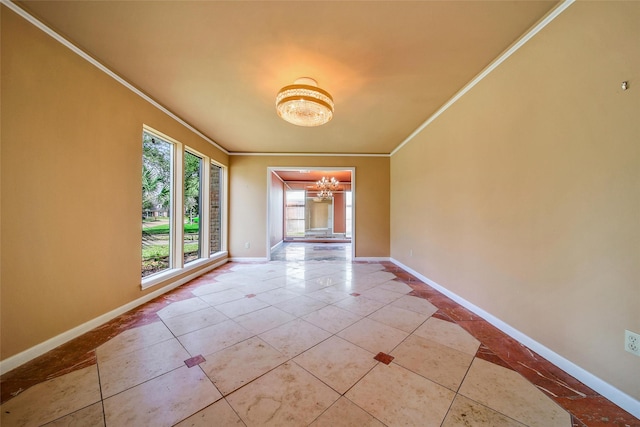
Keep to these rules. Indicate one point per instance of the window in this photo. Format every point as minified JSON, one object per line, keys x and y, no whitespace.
{"x":157,"y":195}
{"x":295,"y":213}
{"x":192,"y":211}
{"x":215,"y":209}
{"x":182,"y":208}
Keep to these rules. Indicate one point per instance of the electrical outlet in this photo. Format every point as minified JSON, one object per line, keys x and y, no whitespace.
{"x":632,"y":342}
{"x":247,"y":245}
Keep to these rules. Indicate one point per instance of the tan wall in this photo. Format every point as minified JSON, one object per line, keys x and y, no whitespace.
{"x":71,"y":161}
{"x":339,"y":213}
{"x":248,"y":204}
{"x":524,"y":197}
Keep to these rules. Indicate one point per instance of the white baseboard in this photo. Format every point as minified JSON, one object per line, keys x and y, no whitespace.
{"x":277,"y":245}
{"x":371,"y":259}
{"x":23,"y":357}
{"x":620,"y":398}
{"x":249,"y":259}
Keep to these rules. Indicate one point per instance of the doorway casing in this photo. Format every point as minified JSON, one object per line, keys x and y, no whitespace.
{"x":275,"y":169}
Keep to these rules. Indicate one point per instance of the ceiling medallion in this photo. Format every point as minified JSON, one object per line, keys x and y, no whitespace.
{"x":304,"y":103}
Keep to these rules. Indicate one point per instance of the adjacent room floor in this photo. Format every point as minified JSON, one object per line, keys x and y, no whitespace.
{"x":308,"y":339}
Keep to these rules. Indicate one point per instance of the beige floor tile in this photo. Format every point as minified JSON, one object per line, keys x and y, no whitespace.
{"x":417,"y":304}
{"x":467,"y":413}
{"x":264,"y":319}
{"x":214,"y":338}
{"x":328,"y":295}
{"x":276,"y":296}
{"x":397,"y":396}
{"x":382,"y":295}
{"x":294,"y":337}
{"x":360,"y":305}
{"x":396,"y":286}
{"x":286,"y":396}
{"x":306,"y":287}
{"x":373,"y":336}
{"x":308,"y":274}
{"x":360,"y":286}
{"x":234,"y":277}
{"x":399,"y":318}
{"x":211,"y":288}
{"x":218,"y":414}
{"x":182,"y":307}
{"x":433,"y":361}
{"x":132,"y":340}
{"x":337,"y":363}
{"x":92,"y":415}
{"x":301,"y":305}
{"x":365,"y":268}
{"x":374,"y":278}
{"x":332,"y":318}
{"x":162,"y":401}
{"x":242,"y":306}
{"x":126,"y":371}
{"x":235,"y":366}
{"x":509,"y":393}
{"x":345,"y":413}
{"x":52,"y":399}
{"x":449,"y":334}
{"x":221,"y":297}
{"x":190,"y":322}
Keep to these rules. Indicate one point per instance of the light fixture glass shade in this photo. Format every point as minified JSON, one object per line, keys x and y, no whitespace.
{"x":304,"y":103}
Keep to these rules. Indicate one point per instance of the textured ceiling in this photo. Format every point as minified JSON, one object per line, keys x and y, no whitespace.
{"x":219,"y":64}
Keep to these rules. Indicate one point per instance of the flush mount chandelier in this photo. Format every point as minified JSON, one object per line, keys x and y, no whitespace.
{"x":304,"y":103}
{"x":326,"y":187}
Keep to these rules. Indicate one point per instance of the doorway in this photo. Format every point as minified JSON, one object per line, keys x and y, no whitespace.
{"x":300,"y":211}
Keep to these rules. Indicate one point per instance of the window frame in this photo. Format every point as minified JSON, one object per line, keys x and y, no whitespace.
{"x":177,"y":265}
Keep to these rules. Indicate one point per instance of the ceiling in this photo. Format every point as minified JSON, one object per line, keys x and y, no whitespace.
{"x":218,"y":65}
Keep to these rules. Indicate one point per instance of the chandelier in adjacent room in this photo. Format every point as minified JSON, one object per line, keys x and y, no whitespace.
{"x":304,"y":103}
{"x":326,"y":187}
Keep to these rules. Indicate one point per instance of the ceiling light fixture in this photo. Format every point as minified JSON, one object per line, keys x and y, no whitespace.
{"x":304,"y":103}
{"x":326,"y":187}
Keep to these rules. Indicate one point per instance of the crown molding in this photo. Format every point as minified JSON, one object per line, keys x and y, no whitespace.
{"x":310,"y":154}
{"x":503,"y":57}
{"x":484,"y":73}
{"x":75,"y":49}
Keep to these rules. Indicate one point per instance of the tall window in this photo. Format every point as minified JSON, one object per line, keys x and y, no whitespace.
{"x":182,"y":208}
{"x":295,"y":213}
{"x":157,"y":170}
{"x":192,"y":206}
{"x":215,"y":208}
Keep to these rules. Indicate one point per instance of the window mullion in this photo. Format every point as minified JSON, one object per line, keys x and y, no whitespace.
{"x":178,"y":208}
{"x":205,"y":209}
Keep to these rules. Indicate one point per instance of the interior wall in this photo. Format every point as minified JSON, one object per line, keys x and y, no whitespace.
{"x":339,"y":214}
{"x":71,"y":158}
{"x":276,"y":214}
{"x":524,"y":197}
{"x":248,"y":202}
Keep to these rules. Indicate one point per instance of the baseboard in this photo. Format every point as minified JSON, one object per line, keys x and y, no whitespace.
{"x":371,"y":259}
{"x":615,"y":395}
{"x":249,"y":259}
{"x":277,"y":245}
{"x":21,"y":358}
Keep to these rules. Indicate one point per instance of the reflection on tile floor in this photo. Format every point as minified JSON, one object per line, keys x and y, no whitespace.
{"x":322,"y":342}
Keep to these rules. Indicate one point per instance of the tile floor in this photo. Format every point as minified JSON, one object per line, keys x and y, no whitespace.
{"x":301,"y":342}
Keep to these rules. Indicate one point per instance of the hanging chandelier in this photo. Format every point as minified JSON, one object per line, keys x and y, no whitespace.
{"x":304,"y":103}
{"x":326,"y":187}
